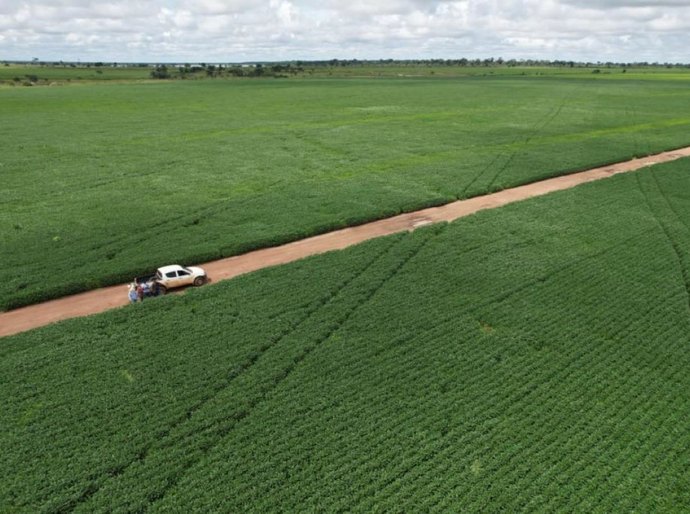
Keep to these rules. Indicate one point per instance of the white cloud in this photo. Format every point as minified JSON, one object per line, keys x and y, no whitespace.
{"x":237,"y":30}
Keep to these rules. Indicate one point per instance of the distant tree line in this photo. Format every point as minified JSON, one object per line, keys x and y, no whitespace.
{"x":297,"y":66}
{"x":285,"y":69}
{"x":226,"y":70}
{"x":491,"y":61}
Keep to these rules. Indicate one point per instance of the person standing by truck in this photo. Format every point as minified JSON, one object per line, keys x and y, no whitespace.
{"x":132,"y":294}
{"x":140,"y":292}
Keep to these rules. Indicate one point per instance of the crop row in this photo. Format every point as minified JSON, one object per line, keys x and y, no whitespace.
{"x":162,"y":392}
{"x":276,"y":490}
{"x":380,"y":413}
{"x":530,"y":358}
{"x":190,"y":441}
{"x":193,"y":172}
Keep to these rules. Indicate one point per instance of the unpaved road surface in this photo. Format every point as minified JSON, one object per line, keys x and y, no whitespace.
{"x":100,"y":300}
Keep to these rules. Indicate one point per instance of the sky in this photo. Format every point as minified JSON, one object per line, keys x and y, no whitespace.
{"x":210,"y":31}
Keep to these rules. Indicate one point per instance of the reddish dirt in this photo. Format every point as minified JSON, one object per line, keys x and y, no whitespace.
{"x":100,"y":300}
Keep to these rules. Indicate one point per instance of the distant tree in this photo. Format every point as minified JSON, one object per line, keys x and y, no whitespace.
{"x":160,"y":72}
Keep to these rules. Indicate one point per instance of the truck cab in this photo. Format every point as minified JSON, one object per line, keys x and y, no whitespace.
{"x":179,"y":276}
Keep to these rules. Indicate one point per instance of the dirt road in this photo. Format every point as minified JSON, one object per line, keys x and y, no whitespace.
{"x":100,"y":300}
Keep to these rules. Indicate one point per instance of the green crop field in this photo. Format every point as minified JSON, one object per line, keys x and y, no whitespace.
{"x":104,"y":181}
{"x":531,"y":358}
{"x":55,"y":74}
{"x":43,"y":74}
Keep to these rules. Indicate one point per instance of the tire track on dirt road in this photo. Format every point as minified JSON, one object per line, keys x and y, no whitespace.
{"x":99,"y":300}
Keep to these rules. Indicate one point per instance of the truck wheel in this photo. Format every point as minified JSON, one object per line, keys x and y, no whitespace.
{"x":199,"y":281}
{"x":162,"y":290}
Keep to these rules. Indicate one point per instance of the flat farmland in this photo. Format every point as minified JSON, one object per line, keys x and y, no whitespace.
{"x":104,"y":181}
{"x":529,"y":358}
{"x":18,"y":74}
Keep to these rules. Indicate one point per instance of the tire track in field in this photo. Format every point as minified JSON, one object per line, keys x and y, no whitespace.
{"x":111,"y":247}
{"x":414,"y":467}
{"x":448,"y":322}
{"x":99,"y":300}
{"x":395,"y":270}
{"x":595,"y":363}
{"x":564,"y":372}
{"x":667,"y":233}
{"x":170,"y":224}
{"x":444,"y":444}
{"x":160,"y":495}
{"x":666,"y":199}
{"x":233,"y":419}
{"x":243,"y":367}
{"x":471,"y":310}
{"x":481,"y":172}
{"x":537,"y":126}
{"x":555,"y":271}
{"x":443,"y":447}
{"x":346,"y":473}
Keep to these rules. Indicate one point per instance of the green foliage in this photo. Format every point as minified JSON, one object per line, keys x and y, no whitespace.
{"x":49,"y":74}
{"x":531,"y":358}
{"x":111,"y":180}
{"x":160,"y":72}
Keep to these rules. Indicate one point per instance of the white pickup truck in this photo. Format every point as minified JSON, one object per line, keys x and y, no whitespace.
{"x":170,"y":277}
